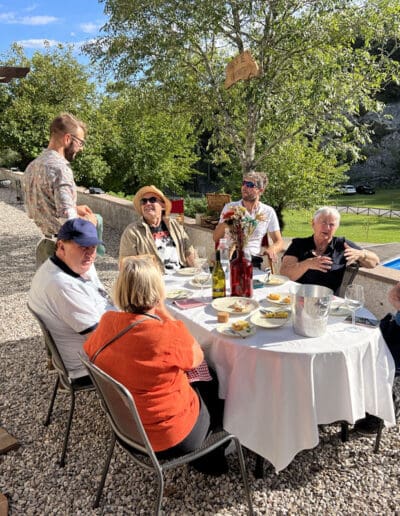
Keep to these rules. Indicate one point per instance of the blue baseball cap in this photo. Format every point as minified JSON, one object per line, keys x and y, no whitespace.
{"x":81,"y":231}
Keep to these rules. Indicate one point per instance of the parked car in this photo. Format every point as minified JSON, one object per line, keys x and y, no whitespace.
{"x":347,"y":189}
{"x":365,"y":189}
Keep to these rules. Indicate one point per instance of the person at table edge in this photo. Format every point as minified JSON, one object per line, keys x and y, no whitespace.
{"x":152,"y":360}
{"x":67,"y":294}
{"x":253,"y":186}
{"x":156,"y":233}
{"x":321,"y":258}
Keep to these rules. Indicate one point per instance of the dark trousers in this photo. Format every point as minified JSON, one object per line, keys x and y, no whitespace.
{"x":209,"y":419}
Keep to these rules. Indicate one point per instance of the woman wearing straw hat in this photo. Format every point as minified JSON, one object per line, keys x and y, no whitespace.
{"x":155,"y":233}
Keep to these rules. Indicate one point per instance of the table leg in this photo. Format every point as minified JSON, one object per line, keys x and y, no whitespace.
{"x":259,"y":469}
{"x":344,"y":431}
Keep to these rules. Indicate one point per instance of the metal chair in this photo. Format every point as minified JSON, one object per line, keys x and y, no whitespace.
{"x":128,"y":431}
{"x":348,"y":278}
{"x":63,"y":381}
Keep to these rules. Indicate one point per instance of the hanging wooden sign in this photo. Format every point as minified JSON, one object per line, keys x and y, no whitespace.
{"x":242,"y":67}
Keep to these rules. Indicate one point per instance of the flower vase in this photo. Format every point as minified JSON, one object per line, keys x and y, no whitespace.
{"x":241,"y":276}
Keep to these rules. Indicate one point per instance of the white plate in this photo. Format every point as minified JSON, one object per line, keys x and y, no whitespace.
{"x":226,"y":304}
{"x":339,"y":308}
{"x":179,"y":293}
{"x":187,"y":271}
{"x":282,"y":295}
{"x":196,"y":284}
{"x":259,"y":320}
{"x":276,"y":280}
{"x":226,"y":329}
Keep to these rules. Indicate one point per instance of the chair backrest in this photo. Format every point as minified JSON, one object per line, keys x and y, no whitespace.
{"x":348,"y":278}
{"x":120,"y":408}
{"x":51,"y":346}
{"x":177,"y":205}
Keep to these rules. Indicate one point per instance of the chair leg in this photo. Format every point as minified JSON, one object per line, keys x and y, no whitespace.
{"x":67,"y":430}
{"x":259,"y":469}
{"x":378,"y":436}
{"x":53,"y":397}
{"x":244,"y":474}
{"x":105,"y":471}
{"x":344,"y":431}
{"x":160,"y":480}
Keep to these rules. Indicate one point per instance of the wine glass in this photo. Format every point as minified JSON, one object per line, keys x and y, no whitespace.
{"x":354,"y":297}
{"x":202,"y":275}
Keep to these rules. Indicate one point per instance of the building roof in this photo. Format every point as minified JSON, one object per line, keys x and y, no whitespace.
{"x":12,"y":72}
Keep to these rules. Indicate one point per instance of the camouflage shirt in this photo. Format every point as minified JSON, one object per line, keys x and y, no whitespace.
{"x":50,"y":191}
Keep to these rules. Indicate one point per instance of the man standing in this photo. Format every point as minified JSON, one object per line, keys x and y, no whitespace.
{"x":67,"y":294}
{"x":253,"y":186}
{"x":49,"y":186}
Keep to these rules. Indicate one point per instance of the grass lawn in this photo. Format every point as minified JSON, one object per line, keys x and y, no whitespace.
{"x":359,"y":228}
{"x":389,"y":199}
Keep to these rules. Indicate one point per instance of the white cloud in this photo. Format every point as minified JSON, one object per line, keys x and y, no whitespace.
{"x":36,"y":20}
{"x":7,"y":17}
{"x":13,"y":18}
{"x":37,"y":43}
{"x":90,"y":27}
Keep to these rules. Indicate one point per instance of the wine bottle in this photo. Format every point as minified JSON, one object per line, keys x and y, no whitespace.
{"x":218,"y":278}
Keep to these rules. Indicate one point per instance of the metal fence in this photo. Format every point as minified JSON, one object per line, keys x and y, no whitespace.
{"x":362,"y":210}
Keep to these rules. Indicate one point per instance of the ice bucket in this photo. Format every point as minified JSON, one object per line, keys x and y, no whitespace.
{"x":310,"y":306}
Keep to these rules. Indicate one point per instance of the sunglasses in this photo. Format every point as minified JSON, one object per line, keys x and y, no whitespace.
{"x":145,"y":200}
{"x":249,"y":184}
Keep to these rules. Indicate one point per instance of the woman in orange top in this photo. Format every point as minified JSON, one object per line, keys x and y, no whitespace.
{"x":151,"y":360}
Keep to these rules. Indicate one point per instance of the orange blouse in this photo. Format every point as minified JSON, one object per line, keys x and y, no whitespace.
{"x":150,"y":360}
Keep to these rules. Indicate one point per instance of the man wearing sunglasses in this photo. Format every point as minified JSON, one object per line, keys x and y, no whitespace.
{"x":49,"y":186}
{"x":253,"y":186}
{"x":155,"y":233}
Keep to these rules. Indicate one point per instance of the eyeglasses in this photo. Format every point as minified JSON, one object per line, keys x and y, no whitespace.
{"x":249,"y":184}
{"x":328,"y":224}
{"x":145,"y":200}
{"x":80,"y":142}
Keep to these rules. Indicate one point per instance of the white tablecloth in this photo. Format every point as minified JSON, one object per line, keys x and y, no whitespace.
{"x":279,"y":386}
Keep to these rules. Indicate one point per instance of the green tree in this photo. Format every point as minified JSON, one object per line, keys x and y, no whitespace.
{"x":150,"y":141}
{"x":56,"y":83}
{"x":313,"y":76}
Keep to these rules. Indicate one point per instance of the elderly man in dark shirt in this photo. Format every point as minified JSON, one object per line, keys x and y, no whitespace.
{"x":321,"y":259}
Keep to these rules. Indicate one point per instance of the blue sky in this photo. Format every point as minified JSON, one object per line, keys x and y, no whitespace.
{"x":31,"y":22}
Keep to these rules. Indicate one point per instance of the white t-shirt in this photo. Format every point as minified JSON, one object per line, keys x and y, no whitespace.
{"x":68,"y":306}
{"x":268,"y":225}
{"x":166,"y":249}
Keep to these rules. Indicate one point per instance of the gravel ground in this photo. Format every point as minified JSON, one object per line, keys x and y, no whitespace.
{"x":333,"y":478}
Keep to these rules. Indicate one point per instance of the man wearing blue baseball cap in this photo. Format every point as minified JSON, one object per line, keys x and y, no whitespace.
{"x":67,"y":294}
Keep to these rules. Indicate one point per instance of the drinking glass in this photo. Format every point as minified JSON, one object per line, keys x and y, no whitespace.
{"x":202,"y":275}
{"x":354,"y":297}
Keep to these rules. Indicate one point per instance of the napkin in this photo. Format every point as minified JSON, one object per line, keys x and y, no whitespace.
{"x":185,"y":304}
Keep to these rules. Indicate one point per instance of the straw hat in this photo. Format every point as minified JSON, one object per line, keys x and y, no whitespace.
{"x":151,"y":190}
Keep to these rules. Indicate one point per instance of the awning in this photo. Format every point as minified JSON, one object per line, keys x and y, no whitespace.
{"x":12,"y":72}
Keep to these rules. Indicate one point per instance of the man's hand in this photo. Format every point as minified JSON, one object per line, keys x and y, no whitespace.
{"x":320,"y":263}
{"x":83,"y":210}
{"x":353,"y":255}
{"x":270,"y":252}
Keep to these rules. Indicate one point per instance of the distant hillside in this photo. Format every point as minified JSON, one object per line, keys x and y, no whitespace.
{"x":382,"y":166}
